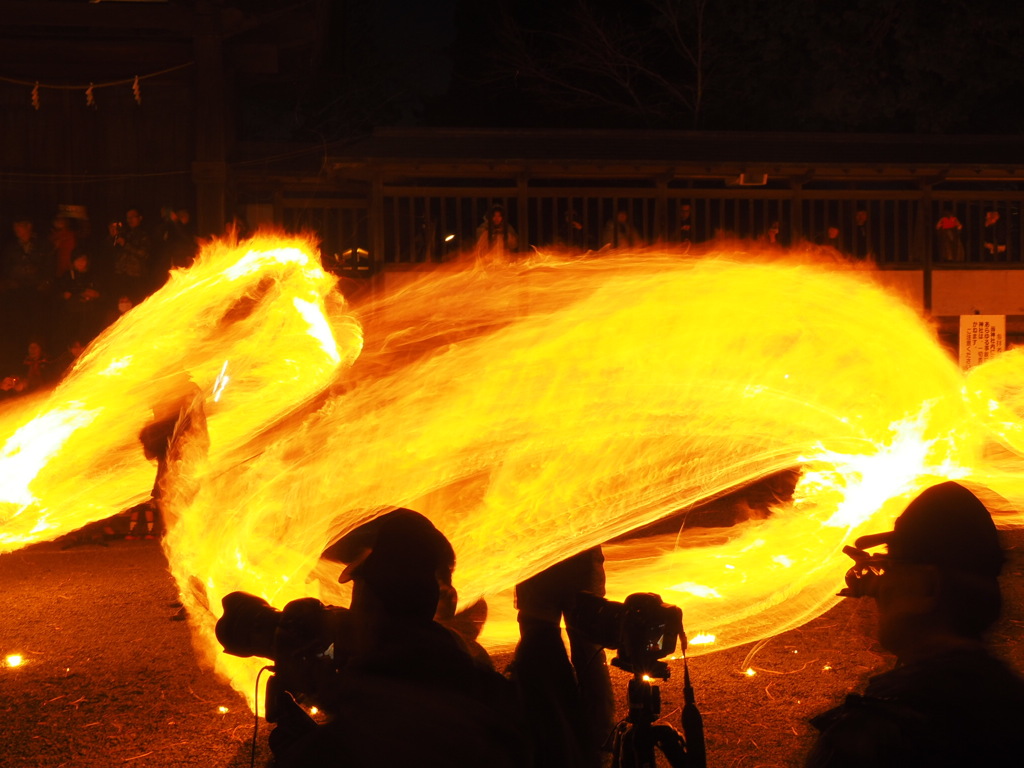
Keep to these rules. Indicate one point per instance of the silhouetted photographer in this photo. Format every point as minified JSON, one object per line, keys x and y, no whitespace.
{"x":948,"y":702}
{"x":397,"y":687}
{"x":569,"y":705}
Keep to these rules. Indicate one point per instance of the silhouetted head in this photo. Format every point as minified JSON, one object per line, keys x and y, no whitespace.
{"x":401,"y":558}
{"x":946,"y":526}
{"x":939,"y":578}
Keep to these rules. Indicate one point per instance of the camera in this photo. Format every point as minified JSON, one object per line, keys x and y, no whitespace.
{"x":308,"y":642}
{"x":642,"y":630}
{"x":863,"y":575}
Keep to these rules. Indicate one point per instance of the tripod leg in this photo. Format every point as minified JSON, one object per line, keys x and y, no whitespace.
{"x":671,"y":744}
{"x":636,"y":748}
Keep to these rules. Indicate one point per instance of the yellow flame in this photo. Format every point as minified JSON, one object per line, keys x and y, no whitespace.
{"x":531,"y":410}
{"x":14,"y":660}
{"x":702,"y":639}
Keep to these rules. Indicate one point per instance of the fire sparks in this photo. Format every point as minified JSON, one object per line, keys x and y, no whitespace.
{"x":532,"y":411}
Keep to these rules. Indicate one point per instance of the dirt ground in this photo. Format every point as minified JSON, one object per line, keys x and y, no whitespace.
{"x":110,"y":678}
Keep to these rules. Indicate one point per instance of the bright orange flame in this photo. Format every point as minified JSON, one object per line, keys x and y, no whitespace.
{"x":531,"y":411}
{"x":73,"y":455}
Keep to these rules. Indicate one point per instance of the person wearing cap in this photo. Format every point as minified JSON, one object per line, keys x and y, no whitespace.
{"x":411,"y":691}
{"x":948,"y":701}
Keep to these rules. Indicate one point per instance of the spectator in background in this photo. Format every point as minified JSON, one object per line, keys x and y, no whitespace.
{"x":772,"y":237}
{"x":133,"y":254}
{"x":26,"y":277}
{"x":188,"y":228}
{"x":950,"y":231}
{"x":863,"y":245}
{"x":425,"y":244}
{"x":831,"y":238}
{"x":108,"y":251}
{"x":24,"y":262}
{"x":81,"y":296}
{"x":37,"y":366}
{"x":619,"y":232}
{"x":177,"y":246}
{"x":62,"y":364}
{"x":685,"y":229}
{"x":11,"y":387}
{"x":496,"y":239}
{"x":65,"y":240}
{"x":994,"y":238}
{"x":573,"y":237}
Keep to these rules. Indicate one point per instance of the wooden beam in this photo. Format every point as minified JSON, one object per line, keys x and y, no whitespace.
{"x":23,"y":14}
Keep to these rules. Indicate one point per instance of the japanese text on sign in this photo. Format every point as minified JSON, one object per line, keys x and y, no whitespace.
{"x":981,"y":337}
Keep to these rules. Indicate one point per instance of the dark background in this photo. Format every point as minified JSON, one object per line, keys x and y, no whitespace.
{"x":932,"y":66}
{"x":231,"y":89}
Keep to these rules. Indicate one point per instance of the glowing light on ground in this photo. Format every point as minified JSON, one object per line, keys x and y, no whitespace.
{"x":14,"y":660}
{"x":531,"y":411}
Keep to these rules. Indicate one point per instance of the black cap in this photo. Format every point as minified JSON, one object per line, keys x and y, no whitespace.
{"x":946,"y":526}
{"x":401,"y":556}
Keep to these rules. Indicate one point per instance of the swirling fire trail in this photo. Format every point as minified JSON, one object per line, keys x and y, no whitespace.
{"x":531,"y":411}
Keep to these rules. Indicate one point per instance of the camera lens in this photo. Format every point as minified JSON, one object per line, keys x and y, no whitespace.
{"x":248,"y":626}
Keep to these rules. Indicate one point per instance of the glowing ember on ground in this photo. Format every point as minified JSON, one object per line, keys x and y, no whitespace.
{"x":14,"y":660}
{"x":531,"y":411}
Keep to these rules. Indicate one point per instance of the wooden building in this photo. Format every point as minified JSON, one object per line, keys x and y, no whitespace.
{"x":409,"y":198}
{"x":173,"y":86}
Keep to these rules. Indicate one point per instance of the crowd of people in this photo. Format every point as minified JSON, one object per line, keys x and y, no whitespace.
{"x":994,"y":238}
{"x":857,"y":236}
{"x":496,"y":237}
{"x":59,"y":289}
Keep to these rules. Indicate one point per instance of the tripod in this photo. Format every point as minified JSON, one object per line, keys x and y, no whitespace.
{"x":635,"y":739}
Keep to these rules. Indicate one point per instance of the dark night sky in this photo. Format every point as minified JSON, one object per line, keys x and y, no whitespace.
{"x":930,"y":66}
{"x":879,"y":66}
